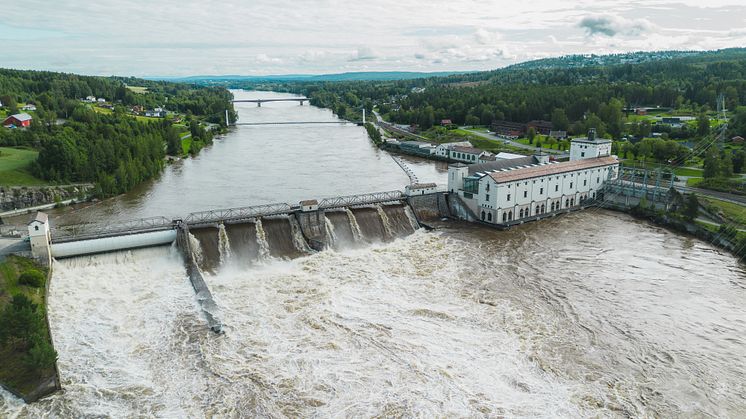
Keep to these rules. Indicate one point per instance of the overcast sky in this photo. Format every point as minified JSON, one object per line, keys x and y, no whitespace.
{"x":259,"y":37}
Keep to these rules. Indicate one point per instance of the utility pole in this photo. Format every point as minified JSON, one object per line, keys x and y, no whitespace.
{"x":227,"y":122}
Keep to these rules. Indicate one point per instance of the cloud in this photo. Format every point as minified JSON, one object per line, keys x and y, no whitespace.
{"x":363,"y":54}
{"x":266,"y":59}
{"x":610,"y":25}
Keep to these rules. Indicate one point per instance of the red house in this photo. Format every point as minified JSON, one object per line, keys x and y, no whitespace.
{"x":18,"y":120}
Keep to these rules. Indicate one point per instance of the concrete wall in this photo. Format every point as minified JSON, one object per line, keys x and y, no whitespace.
{"x":111,"y":244}
{"x":204,"y":296}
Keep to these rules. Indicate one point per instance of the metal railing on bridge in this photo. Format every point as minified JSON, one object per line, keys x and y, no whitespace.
{"x":234,"y":214}
{"x":93,"y":230}
{"x":359,"y":200}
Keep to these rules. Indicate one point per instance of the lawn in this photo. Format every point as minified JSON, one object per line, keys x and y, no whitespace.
{"x":694,"y":181}
{"x":733,"y":212}
{"x":186,"y":145}
{"x":688,"y":171}
{"x":14,"y":167}
{"x":138,"y":89}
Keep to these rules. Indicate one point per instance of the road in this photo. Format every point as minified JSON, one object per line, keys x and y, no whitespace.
{"x":492,"y":137}
{"x":723,"y":196}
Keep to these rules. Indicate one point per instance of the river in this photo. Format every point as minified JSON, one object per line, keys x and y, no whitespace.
{"x":591,"y":314}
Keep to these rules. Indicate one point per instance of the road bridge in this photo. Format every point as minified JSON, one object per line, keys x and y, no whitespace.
{"x":259,"y":102}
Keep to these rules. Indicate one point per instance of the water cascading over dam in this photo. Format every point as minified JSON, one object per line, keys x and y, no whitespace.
{"x":248,"y":243}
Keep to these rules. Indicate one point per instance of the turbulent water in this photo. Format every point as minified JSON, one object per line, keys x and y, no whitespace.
{"x":556,"y":319}
{"x":590,"y":314}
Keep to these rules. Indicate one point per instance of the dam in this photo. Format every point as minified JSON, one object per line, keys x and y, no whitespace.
{"x":566,"y":317}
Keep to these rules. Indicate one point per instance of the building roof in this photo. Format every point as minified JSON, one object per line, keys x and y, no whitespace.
{"x":501,"y":164}
{"x":422,"y":186}
{"x":503,"y":155}
{"x":487,"y":158}
{"x":551,"y":169}
{"x":309,"y":202}
{"x":41,"y":217}
{"x":593,"y":141}
{"x":417,"y":144}
{"x":21,"y":117}
{"x":467,"y":150}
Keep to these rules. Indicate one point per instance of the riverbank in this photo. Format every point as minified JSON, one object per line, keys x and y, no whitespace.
{"x":29,"y":367}
{"x":725,"y":238}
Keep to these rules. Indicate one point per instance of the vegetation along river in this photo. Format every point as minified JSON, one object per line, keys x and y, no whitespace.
{"x":585,"y":315}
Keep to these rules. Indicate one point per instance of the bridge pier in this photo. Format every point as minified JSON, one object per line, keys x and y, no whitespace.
{"x":313,"y":224}
{"x":301,"y":102}
{"x":258,"y":104}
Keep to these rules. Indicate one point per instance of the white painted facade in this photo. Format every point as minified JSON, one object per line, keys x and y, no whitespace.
{"x":420,"y":189}
{"x":523,"y":192}
{"x":589,"y":148}
{"x":40,"y":238}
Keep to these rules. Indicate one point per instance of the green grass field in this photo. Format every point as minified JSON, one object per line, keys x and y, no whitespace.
{"x":186,"y":145}
{"x":733,"y":212}
{"x":14,"y":167}
{"x":138,"y":89}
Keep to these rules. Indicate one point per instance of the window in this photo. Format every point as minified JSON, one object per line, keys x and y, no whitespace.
{"x":489,"y":217}
{"x":598,"y":179}
{"x":505,"y":216}
{"x":585,"y":181}
{"x":487,"y":197}
{"x":508,"y":198}
{"x":483,"y":215}
{"x":487,"y":188}
{"x":520,"y":214}
{"x":36,"y":228}
{"x":525,"y":194}
{"x":582,"y":154}
{"x":556,"y":188}
{"x":541,"y":191}
{"x":570,"y":185}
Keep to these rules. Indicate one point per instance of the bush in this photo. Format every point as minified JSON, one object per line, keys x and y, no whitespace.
{"x":32,"y":277}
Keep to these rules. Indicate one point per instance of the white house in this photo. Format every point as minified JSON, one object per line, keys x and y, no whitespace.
{"x":40,"y":237}
{"x":420,"y":189}
{"x":29,"y":107}
{"x":309,"y":205}
{"x":101,"y":100}
{"x":589,"y":148}
{"x":90,"y":99}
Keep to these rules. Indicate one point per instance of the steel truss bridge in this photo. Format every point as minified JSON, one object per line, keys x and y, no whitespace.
{"x":89,"y":231}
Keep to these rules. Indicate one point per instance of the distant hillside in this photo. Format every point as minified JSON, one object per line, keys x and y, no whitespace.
{"x":352,"y":76}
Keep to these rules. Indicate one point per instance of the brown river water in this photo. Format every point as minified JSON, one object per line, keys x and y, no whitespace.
{"x":591,"y":314}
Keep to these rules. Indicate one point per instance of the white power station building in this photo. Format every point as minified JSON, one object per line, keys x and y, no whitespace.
{"x":507,"y":191}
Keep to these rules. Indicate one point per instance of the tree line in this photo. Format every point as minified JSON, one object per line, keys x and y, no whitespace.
{"x":113,"y":150}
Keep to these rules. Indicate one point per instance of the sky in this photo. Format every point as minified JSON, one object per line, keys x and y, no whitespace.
{"x":261,"y":37}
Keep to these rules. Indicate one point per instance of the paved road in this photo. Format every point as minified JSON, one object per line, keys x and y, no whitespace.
{"x":11,"y":245}
{"x":729,"y":197}
{"x":517,"y":144}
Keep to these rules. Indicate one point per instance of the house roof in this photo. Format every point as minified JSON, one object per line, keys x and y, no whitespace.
{"x":467,"y":150}
{"x":21,"y":117}
{"x":423,"y":186}
{"x":487,"y":158}
{"x":309,"y":202}
{"x":501,"y":164}
{"x":417,"y":144}
{"x":41,"y":217}
{"x":551,"y":169}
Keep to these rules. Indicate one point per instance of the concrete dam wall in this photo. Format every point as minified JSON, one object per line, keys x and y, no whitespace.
{"x":249,"y":242}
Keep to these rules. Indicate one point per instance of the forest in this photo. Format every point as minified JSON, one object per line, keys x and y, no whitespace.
{"x":571,"y":98}
{"x":114,"y":149}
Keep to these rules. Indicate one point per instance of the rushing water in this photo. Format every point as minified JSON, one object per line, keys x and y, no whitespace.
{"x":591,"y":314}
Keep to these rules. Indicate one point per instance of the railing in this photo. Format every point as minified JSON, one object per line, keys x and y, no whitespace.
{"x":92,"y":230}
{"x":233,"y":214}
{"x":410,"y":173}
{"x":364,"y":199}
